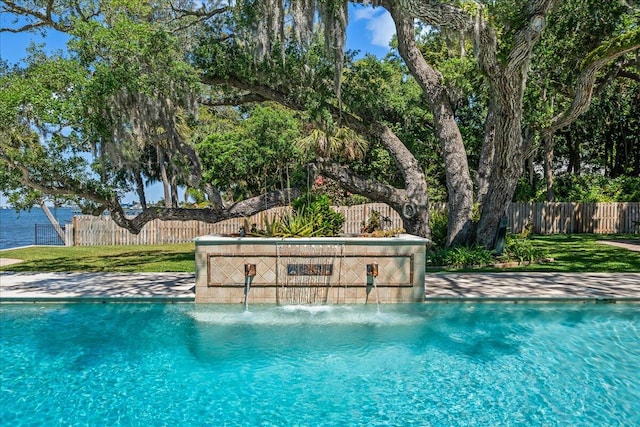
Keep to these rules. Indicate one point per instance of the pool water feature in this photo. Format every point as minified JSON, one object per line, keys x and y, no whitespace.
{"x":314,"y":270}
{"x":409,"y":364}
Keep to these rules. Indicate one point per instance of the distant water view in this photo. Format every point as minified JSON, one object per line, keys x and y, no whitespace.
{"x":18,"y":228}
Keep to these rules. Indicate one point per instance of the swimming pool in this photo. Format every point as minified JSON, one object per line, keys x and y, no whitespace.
{"x":416,"y":364}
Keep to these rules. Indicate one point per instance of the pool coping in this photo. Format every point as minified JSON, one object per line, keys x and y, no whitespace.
{"x":439,"y":287}
{"x":533,"y":286}
{"x":96,"y":287}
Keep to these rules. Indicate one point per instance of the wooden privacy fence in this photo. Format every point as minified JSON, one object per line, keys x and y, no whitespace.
{"x":560,"y":218}
{"x":546,"y":218}
{"x":90,"y":230}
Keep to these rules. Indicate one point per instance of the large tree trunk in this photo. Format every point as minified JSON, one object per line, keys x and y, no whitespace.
{"x":411,"y":203}
{"x":486,"y":156}
{"x":508,"y":79}
{"x":459,"y":184}
{"x":507,"y":167}
{"x":548,"y":165}
{"x":241,"y":209}
{"x":165,"y":178}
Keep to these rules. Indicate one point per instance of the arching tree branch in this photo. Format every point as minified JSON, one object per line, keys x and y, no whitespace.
{"x":361,"y":185}
{"x":45,"y":16}
{"x":241,"y":209}
{"x":585,"y":83}
{"x":246,"y":98}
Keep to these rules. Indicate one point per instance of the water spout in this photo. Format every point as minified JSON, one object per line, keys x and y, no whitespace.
{"x":249,"y":274}
{"x":372,"y":274}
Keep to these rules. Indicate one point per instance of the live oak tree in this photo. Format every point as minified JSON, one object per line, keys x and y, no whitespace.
{"x":588,"y":45}
{"x":257,"y":151}
{"x":504,"y":35}
{"x":118,"y":109}
{"x":248,"y":44}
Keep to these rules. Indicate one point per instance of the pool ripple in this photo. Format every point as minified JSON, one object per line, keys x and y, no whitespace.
{"x":440,"y":364}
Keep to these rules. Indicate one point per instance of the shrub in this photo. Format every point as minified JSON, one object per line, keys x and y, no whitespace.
{"x":375,"y":222}
{"x":317,"y":210}
{"x":311,"y":216}
{"x":520,"y":249}
{"x":438,"y":221}
{"x":461,"y":256}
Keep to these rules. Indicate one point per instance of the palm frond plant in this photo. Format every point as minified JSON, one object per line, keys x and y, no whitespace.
{"x":343,"y":143}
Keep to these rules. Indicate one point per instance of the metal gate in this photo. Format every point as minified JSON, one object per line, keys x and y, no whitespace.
{"x":46,"y":235}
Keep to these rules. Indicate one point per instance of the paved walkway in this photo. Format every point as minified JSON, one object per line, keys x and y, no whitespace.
{"x":507,"y":285}
{"x":631,"y":245}
{"x":96,"y":286}
{"x":438,"y":286}
{"x":9,"y":261}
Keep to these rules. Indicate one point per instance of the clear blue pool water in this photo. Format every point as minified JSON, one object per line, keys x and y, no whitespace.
{"x":424,"y":364}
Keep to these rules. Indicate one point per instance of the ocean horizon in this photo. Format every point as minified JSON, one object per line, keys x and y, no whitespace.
{"x":17,"y":229}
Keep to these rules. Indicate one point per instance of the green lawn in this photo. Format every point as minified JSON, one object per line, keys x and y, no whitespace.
{"x":571,"y":253}
{"x":150,"y":258}
{"x":583,"y":253}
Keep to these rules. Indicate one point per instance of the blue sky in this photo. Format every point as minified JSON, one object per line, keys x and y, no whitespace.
{"x":369,"y":31}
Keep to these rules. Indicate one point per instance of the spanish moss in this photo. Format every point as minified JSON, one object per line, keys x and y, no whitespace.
{"x":280,"y":22}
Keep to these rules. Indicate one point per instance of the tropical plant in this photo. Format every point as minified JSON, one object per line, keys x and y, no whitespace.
{"x":311,"y":216}
{"x":439,"y":220}
{"x":520,"y":249}
{"x":461,"y":256}
{"x":317,"y":208}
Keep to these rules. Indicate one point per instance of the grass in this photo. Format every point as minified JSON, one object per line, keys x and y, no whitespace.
{"x":128,"y":259}
{"x":583,"y":253}
{"x":571,"y":253}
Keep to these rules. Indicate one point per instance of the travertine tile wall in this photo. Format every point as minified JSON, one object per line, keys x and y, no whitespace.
{"x":220,"y":266}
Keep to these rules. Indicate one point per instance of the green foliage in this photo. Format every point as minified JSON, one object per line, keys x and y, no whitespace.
{"x":110,"y":113}
{"x":438,"y":221}
{"x":624,"y":41}
{"x":286,"y":225}
{"x":520,"y":249}
{"x":255,"y":153}
{"x":298,"y":225}
{"x":461,"y":257}
{"x":587,"y":188}
{"x":311,"y":216}
{"x":319,"y":212}
{"x":40,"y":107}
{"x":597,"y":188}
{"x":517,"y":248}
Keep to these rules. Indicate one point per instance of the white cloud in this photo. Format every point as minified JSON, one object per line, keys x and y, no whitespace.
{"x":365,"y":13}
{"x":379,"y":24}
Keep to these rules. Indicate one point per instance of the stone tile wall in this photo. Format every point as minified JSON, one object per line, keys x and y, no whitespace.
{"x":331,"y":270}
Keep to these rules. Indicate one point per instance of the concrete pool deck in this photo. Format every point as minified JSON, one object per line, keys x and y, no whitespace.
{"x":179,"y":287}
{"x":117,"y":287}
